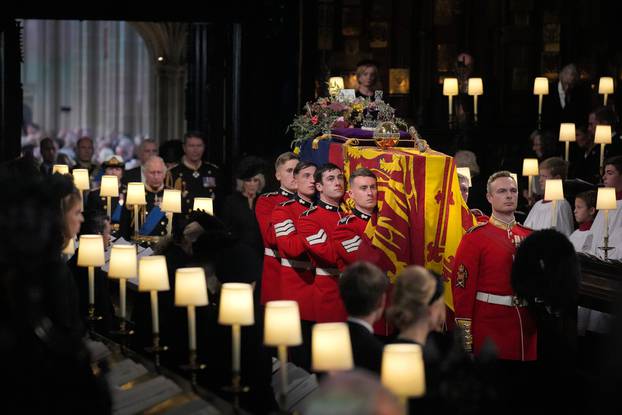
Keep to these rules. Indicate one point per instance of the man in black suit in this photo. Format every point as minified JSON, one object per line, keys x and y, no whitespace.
{"x":362,"y":287}
{"x":147,"y":149}
{"x":568,"y":100}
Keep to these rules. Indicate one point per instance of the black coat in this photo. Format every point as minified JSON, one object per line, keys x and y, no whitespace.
{"x":366,"y":348}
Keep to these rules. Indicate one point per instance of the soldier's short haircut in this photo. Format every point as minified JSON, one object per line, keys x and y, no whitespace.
{"x":324,"y":168}
{"x":361,"y":286}
{"x":284,"y":158}
{"x":194,"y":134}
{"x":495,"y":176}
{"x":556,"y":166}
{"x":361,"y":172}
{"x":615,"y":161}
{"x":303,"y":165}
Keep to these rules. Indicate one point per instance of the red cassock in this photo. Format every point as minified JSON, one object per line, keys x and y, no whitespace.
{"x":485,"y":305}
{"x":296,"y":274}
{"x":317,"y":228}
{"x":271,"y":261}
{"x":351,"y":244}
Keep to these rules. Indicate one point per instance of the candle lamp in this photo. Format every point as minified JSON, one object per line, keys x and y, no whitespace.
{"x":566,"y":135}
{"x":60,"y":169}
{"x":540,"y":88}
{"x":606,"y":201}
{"x":403,"y":371}
{"x":91,"y":255}
{"x":530,"y":169}
{"x":191,"y":292}
{"x":602,"y":136}
{"x":171,"y":203}
{"x":553,"y":191}
{"x":450,"y":90}
{"x":136,"y":197}
{"x":475,"y":88}
{"x":153,"y":278}
{"x":82,"y":182}
{"x":605,"y":87}
{"x":331,"y":349}
{"x":123,"y":265}
{"x":466,"y":172}
{"x":282,"y":329}
{"x":236,"y":310}
{"x":204,"y":203}
{"x":109,"y":189}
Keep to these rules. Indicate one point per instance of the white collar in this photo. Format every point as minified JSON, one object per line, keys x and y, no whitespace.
{"x":362,"y":323}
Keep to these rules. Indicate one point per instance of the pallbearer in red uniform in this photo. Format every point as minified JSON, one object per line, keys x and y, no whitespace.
{"x":350,"y":240}
{"x":284,"y":166}
{"x":317,"y":228}
{"x":485,"y":305}
{"x":296,"y":276}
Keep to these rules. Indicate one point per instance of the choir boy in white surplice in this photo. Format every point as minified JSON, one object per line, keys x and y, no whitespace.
{"x":541,"y":214}
{"x":612,"y":177}
{"x":584,"y":213}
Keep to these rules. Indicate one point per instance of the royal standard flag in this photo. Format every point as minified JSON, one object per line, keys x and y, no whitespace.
{"x":420,"y":208}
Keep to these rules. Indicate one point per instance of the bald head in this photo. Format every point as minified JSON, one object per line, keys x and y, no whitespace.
{"x":155,"y":170}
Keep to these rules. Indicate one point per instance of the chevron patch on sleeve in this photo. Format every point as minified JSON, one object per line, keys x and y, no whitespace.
{"x":318,"y":238}
{"x":284,"y":228}
{"x":351,"y":245}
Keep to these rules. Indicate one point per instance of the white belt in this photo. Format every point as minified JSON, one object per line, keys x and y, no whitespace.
{"x":292,"y":263}
{"x":327,"y":271}
{"x":507,"y":300}
{"x":271,"y":252}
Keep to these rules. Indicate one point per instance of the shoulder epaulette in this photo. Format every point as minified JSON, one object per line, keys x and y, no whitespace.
{"x":477,"y":226}
{"x":346,"y":219}
{"x":287,"y":202}
{"x":309,"y":211}
{"x":270,"y":194}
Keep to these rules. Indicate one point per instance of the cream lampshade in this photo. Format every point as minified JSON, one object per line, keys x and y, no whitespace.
{"x":541,"y":86}
{"x":123,"y":262}
{"x":606,"y":198}
{"x":450,"y":86}
{"x":91,"y":251}
{"x":566,"y":135}
{"x":282,"y":324}
{"x":466,"y":172}
{"x":605,"y":87}
{"x":153,"y":274}
{"x":204,"y":203}
{"x":153,"y":277}
{"x":553,"y":190}
{"x":190,"y":287}
{"x":109,"y":186}
{"x":403,"y":370}
{"x":123,"y":265}
{"x":81,"y":179}
{"x":60,"y":168}
{"x":191,"y":292}
{"x":236,"y":304}
{"x":171,"y":201}
{"x":602,"y":136}
{"x":530,"y":167}
{"x":475,"y":86}
{"x":135,"y":194}
{"x":91,"y":255}
{"x":331,"y":347}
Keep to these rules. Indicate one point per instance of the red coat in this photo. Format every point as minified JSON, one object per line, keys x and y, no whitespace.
{"x":296,"y":273}
{"x":351,"y":244}
{"x":317,"y":227}
{"x":271,"y":260}
{"x":482,"y":269}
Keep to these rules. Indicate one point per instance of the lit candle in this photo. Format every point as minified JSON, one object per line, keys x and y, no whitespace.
{"x":171,"y":203}
{"x":605,"y":87}
{"x":566,"y":135}
{"x":331,"y":348}
{"x":82,"y":182}
{"x":136,"y":197}
{"x":605,"y":201}
{"x":450,"y":89}
{"x":109,"y":189}
{"x":123,"y":265}
{"x":540,"y":88}
{"x":91,"y":255}
{"x":153,"y":277}
{"x":553,"y":191}
{"x":204,"y":203}
{"x":60,"y":168}
{"x":602,"y":136}
{"x":530,"y":169}
{"x":191,"y":291}
{"x":475,"y":88}
{"x":403,"y":371}
{"x":236,"y":310}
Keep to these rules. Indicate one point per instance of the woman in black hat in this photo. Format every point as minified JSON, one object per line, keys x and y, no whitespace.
{"x":238,"y":211}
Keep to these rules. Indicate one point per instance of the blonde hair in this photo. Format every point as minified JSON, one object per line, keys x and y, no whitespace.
{"x":239,"y":183}
{"x":414,"y":289}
